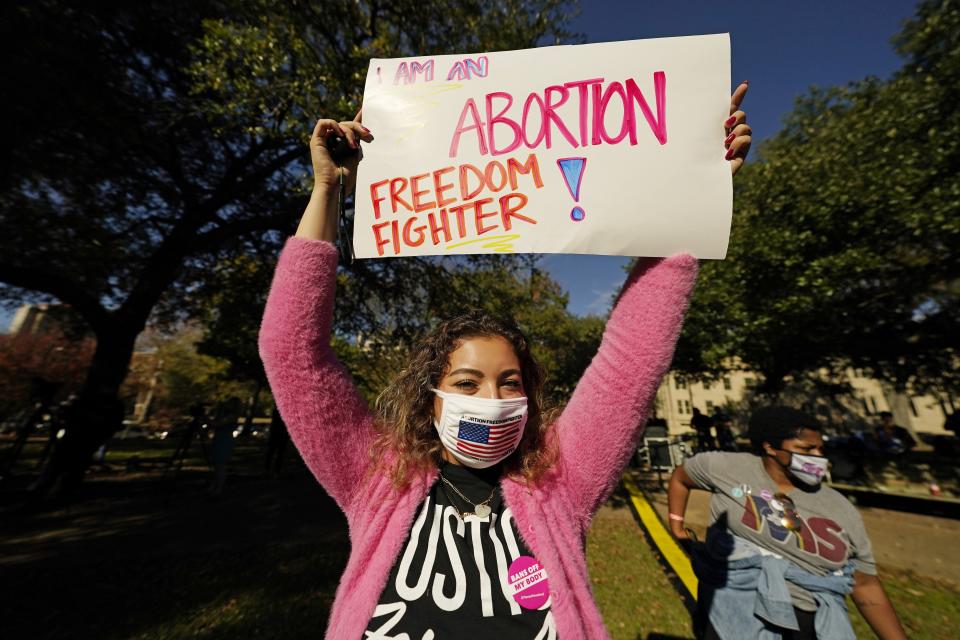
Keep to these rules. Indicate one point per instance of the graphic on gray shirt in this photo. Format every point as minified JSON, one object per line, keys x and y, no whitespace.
{"x":831,"y":530}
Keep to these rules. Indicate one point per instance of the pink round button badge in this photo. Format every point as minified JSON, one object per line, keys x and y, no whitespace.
{"x":528,"y":582}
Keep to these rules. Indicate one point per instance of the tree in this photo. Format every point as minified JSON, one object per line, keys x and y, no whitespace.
{"x":188,"y":376}
{"x":845,"y":248}
{"x":563,"y":343}
{"x":230,"y":302}
{"x":117,"y":184}
{"x":154,"y":139}
{"x":52,"y":356}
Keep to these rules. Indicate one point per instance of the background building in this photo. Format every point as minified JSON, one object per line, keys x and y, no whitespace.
{"x":33,"y":319}
{"x":857,"y":408}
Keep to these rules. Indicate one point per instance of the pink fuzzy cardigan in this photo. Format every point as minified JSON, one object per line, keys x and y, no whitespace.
{"x":597,"y":432}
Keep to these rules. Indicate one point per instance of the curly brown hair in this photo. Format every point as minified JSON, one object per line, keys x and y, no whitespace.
{"x":405,"y":408}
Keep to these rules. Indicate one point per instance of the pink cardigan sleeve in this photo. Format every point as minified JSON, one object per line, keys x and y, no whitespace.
{"x":328,"y":421}
{"x":599,"y":429}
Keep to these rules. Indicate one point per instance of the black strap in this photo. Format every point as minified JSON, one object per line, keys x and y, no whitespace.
{"x":344,"y":235}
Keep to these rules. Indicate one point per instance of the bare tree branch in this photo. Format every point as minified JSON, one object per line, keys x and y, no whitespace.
{"x":66,"y":290}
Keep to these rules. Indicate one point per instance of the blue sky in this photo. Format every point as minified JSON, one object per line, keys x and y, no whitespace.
{"x":782,"y":48}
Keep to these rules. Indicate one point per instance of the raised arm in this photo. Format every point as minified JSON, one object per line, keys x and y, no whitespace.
{"x":599,"y":429}
{"x":328,"y":420}
{"x":600,"y":426}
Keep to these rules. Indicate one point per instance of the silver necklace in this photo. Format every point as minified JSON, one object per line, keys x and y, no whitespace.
{"x":480,"y":509}
{"x":460,"y":514}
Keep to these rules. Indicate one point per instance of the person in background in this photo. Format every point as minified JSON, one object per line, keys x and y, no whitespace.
{"x":277,"y":441}
{"x":891,"y":438}
{"x":703,"y":425}
{"x":952,"y":423}
{"x":225,"y":419}
{"x":723,"y":426}
{"x":718,"y":415}
{"x":782,"y":550}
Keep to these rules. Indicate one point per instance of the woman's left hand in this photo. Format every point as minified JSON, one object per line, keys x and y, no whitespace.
{"x":738,"y":131}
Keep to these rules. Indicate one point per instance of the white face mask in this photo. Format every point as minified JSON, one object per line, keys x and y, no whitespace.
{"x":809,"y":470}
{"x":480,"y":432}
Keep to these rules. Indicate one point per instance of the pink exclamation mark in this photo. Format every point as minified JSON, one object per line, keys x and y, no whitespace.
{"x":572,"y":170}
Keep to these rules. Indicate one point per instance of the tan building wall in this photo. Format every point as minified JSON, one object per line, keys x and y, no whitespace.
{"x":676,"y":399}
{"x":31,"y":319}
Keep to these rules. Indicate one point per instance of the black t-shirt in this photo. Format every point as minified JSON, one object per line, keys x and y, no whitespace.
{"x":464,"y":579}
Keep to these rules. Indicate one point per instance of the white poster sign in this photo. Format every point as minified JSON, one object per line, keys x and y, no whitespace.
{"x":612,"y":148}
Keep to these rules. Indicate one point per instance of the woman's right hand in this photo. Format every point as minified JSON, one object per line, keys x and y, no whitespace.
{"x":319,"y":221}
{"x":326,"y":172}
{"x":679,"y":532}
{"x":686,"y":538}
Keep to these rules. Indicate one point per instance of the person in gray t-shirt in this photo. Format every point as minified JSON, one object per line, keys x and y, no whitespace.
{"x":774,"y":499}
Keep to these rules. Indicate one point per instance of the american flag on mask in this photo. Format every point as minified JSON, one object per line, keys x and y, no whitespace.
{"x":486,"y":440}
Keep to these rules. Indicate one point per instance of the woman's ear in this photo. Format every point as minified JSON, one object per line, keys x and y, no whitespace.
{"x":436,"y":409}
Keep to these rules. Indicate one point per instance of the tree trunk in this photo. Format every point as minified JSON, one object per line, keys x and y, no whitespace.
{"x":96,"y":415}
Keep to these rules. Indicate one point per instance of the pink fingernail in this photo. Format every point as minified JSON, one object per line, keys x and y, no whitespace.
{"x":729,"y":154}
{"x":745,"y":82}
{"x":365,"y":129}
{"x":730,"y":121}
{"x":730,"y":138}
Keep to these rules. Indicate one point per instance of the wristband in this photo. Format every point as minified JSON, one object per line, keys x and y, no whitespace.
{"x":676,"y":518}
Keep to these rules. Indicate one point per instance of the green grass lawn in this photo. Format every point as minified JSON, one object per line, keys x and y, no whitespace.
{"x":632,"y":589}
{"x":149,"y":559}
{"x":929,"y":609}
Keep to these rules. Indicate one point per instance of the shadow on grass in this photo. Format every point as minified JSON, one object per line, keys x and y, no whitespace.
{"x":145,"y":559}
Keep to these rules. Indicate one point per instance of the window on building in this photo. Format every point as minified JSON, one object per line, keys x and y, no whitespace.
{"x":686,"y":405}
{"x":680,"y":383}
{"x":750,"y":383}
{"x":726,"y":384}
{"x":706,"y":385}
{"x":709,"y":406}
{"x":680,"y":406}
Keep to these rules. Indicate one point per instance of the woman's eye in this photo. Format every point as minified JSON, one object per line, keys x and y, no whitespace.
{"x":465,"y":384}
{"x":516,"y":384}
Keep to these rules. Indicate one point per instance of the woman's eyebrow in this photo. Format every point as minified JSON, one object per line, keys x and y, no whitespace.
{"x":510,"y":372}
{"x":473,"y":372}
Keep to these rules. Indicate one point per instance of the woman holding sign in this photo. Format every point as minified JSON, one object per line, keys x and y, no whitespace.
{"x":468,"y":509}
